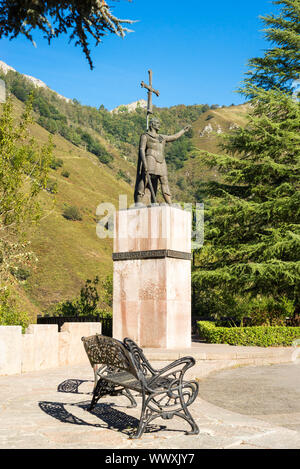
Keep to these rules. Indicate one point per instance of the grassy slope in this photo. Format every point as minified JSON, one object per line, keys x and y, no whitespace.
{"x":223,"y":117}
{"x":192,"y":170}
{"x":70,"y":252}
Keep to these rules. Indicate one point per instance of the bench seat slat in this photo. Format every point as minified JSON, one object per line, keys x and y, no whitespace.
{"x":128,"y":381}
{"x":123,"y":379}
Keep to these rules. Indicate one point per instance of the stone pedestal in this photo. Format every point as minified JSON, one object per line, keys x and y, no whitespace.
{"x":152,"y":276}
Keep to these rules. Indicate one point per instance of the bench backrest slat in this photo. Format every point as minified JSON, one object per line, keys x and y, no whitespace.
{"x":102,"y":350}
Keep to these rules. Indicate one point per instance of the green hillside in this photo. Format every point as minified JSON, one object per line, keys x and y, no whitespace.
{"x":69,"y":252}
{"x":96,"y":154}
{"x":207,"y":132}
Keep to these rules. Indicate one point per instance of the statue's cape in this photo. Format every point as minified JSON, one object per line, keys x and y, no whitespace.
{"x":139,"y":170}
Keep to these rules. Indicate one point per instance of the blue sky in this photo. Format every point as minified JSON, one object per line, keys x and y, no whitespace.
{"x":198,"y":52}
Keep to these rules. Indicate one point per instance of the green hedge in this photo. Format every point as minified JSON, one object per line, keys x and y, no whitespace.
{"x":260,"y":336}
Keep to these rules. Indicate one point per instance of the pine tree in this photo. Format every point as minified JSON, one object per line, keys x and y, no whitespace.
{"x":250,"y":262}
{"x":280,"y":65}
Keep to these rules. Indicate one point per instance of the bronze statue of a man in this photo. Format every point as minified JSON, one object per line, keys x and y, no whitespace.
{"x":152,"y":166}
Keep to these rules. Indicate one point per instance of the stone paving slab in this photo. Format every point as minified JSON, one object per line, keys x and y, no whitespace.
{"x":35,"y":413}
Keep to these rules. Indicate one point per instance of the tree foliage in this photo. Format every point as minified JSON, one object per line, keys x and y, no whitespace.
{"x":23,"y":175}
{"x":81,"y":19}
{"x":68,"y":119}
{"x":90,"y":301}
{"x":280,"y":64}
{"x":10,"y":315}
{"x":24,"y":170}
{"x":250,"y":262}
{"x":253,"y":233}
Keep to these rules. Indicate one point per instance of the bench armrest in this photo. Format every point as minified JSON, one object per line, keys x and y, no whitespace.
{"x":172,"y":373}
{"x":189,"y":361}
{"x":140,"y":361}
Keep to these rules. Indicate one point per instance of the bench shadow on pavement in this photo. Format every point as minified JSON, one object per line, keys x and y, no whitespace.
{"x":72,"y":386}
{"x":110,"y":418}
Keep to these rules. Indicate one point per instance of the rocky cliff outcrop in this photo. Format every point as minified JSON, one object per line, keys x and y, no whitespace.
{"x":131,"y":107}
{"x":38,"y":83}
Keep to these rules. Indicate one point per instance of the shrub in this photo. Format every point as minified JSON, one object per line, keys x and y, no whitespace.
{"x":20,"y":273}
{"x":72,"y":213}
{"x":56,"y":163}
{"x":48,"y":124}
{"x":107,"y":294}
{"x":103,"y":157}
{"x":260,"y":336}
{"x":52,"y":186}
{"x":122,"y":175}
{"x":86,"y":304}
{"x":181,"y":183}
{"x":90,"y":301}
{"x":219,"y":303}
{"x":41,"y":105}
{"x":9,"y":314}
{"x":268,"y":311}
{"x":65,"y":174}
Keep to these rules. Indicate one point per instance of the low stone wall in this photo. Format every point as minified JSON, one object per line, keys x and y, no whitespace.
{"x":43,"y":347}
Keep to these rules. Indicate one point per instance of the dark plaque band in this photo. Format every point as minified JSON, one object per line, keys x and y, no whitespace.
{"x":156,"y":254}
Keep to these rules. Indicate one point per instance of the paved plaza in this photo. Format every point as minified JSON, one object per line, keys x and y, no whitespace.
{"x":270,"y":393}
{"x":245,"y":407}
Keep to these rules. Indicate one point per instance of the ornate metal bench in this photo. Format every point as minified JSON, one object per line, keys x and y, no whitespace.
{"x":121,"y":367}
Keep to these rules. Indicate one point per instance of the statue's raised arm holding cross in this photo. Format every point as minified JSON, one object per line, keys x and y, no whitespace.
{"x":151,"y":162}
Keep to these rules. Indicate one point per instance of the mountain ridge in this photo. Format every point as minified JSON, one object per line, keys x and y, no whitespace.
{"x":36,"y":81}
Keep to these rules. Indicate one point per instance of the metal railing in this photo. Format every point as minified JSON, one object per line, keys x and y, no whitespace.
{"x":60,"y":320}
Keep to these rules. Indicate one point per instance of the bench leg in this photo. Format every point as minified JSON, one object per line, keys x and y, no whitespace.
{"x":128,"y":394}
{"x":102,"y":388}
{"x":93,"y":402}
{"x":96,"y":396}
{"x":194,"y":389}
{"x":148,"y":414}
{"x":143,"y":421}
{"x":188,"y":418}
